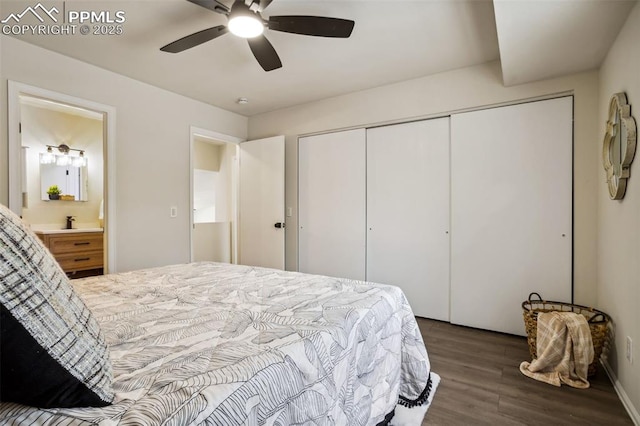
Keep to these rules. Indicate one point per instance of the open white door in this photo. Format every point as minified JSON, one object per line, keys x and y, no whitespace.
{"x":262,"y":203}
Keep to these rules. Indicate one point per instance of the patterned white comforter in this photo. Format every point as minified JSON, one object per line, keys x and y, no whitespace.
{"x":219,"y":344}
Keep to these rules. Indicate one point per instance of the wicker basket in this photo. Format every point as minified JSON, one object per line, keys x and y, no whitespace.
{"x":598,"y":323}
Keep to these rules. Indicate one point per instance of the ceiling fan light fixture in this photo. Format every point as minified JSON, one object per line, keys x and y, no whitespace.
{"x":246,"y":26}
{"x":245,"y":21}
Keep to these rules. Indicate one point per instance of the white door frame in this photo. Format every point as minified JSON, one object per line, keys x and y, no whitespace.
{"x":210,"y":134}
{"x":15,"y":148}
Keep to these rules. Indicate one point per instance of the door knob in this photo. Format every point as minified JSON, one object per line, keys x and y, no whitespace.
{"x":279,"y":225}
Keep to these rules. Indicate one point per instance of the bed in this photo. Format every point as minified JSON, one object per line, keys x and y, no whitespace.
{"x":218,"y":344}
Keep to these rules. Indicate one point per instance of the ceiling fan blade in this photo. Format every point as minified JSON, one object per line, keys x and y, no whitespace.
{"x":319,"y":26}
{"x":195,"y":39}
{"x":265,"y":53}
{"x":214,"y":5}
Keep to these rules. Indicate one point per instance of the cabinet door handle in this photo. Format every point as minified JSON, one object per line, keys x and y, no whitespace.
{"x":82,"y":259}
{"x":84,"y":243}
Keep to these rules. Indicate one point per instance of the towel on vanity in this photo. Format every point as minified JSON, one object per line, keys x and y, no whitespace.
{"x":564,"y":348}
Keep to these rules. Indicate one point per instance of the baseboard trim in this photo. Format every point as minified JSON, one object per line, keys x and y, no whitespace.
{"x":626,"y":402}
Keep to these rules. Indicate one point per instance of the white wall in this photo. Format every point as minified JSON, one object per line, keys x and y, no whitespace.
{"x":152,"y":147}
{"x":465,"y":88}
{"x":218,"y":158}
{"x":619,"y":221}
{"x":206,"y":156}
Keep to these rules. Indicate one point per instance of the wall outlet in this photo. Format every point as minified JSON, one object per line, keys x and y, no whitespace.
{"x":173,"y":211}
{"x":629,"y":350}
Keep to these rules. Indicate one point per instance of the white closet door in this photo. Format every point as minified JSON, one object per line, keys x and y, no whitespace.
{"x":331,"y":196}
{"x":408,"y":212}
{"x":511,"y":211}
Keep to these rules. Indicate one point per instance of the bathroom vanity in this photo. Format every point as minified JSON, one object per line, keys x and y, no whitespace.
{"x":80,"y":252}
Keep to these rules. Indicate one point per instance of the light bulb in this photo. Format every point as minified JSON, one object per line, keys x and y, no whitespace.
{"x":246,"y":26}
{"x":62,"y":160}
{"x":47,"y":158}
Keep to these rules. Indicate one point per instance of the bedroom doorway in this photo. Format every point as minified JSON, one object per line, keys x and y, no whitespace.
{"x":237,"y":199}
{"x":60,"y":126}
{"x":214,"y":188}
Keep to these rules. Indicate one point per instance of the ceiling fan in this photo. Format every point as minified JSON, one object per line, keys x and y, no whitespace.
{"x":245,"y":21}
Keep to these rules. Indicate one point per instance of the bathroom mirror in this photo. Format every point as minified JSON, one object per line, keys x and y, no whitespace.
{"x":619,"y":146}
{"x":71,"y":180}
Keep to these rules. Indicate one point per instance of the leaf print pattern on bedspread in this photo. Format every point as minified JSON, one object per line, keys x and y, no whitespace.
{"x":218,"y":344}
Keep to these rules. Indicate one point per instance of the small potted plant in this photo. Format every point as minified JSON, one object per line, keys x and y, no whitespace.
{"x":54,"y":192}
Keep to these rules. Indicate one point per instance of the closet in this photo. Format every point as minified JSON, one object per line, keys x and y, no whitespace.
{"x":467,"y":214}
{"x":511,"y":211}
{"x":332,"y":204}
{"x":408,"y":212}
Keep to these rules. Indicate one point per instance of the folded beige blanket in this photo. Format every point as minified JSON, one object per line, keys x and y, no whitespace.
{"x":564,"y":349}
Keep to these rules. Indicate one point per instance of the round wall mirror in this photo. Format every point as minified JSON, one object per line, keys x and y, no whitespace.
{"x":619,"y":146}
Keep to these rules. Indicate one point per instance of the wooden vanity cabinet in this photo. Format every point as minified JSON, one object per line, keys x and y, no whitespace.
{"x":78,"y":253}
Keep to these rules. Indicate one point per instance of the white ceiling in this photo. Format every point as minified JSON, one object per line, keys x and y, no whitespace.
{"x":544,"y":39}
{"x":392,"y":41}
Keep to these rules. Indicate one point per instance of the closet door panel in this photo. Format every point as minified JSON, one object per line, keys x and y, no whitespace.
{"x":511,"y":205}
{"x":331,"y":194}
{"x":408,"y":212}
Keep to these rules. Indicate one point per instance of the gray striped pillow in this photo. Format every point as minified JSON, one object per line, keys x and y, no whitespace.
{"x":53,"y":351}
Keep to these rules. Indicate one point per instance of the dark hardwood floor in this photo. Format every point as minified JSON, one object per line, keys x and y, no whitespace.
{"x":482,"y":384}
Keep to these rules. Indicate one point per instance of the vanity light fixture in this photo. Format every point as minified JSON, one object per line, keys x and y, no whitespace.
{"x":65,"y":159}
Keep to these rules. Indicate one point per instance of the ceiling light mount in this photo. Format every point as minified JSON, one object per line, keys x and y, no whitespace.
{"x":242,"y":101}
